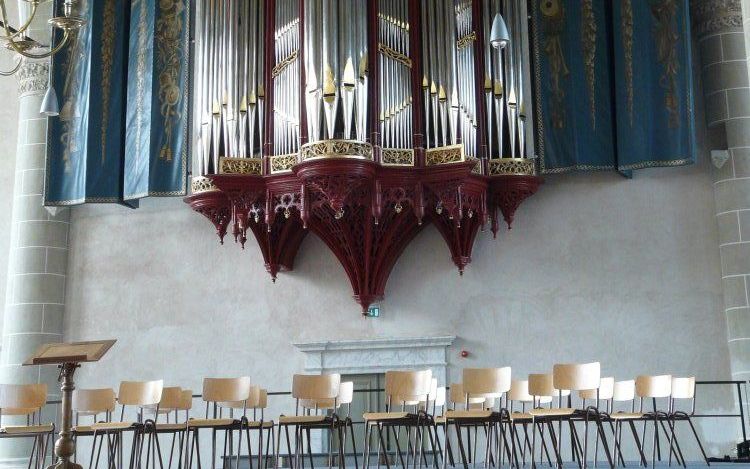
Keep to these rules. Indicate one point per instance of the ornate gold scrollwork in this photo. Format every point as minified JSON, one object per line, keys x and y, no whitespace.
{"x":466,"y":41}
{"x":397,"y":157}
{"x":284,"y":64}
{"x":336,"y":149}
{"x":511,"y":166}
{"x":394,"y":54}
{"x":283,"y":163}
{"x":202,"y":184}
{"x":445,"y":155}
{"x":248,"y":166}
{"x":477,"y":169}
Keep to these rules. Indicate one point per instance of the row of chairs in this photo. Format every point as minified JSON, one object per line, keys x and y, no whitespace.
{"x":487,"y":399}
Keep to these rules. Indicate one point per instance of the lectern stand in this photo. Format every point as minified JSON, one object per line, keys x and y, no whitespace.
{"x":68,"y":357}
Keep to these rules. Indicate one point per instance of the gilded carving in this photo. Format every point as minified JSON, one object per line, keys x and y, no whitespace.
{"x":202,"y":184}
{"x":283,"y":163}
{"x":247,"y":166}
{"x":169,"y":47}
{"x":284,"y":64}
{"x":394,"y":54}
{"x":553,"y":25}
{"x":588,"y":42}
{"x":626,"y":7}
{"x":445,"y":155}
{"x":466,"y":40}
{"x":397,"y":157}
{"x":511,"y":166}
{"x":667,"y":37}
{"x":336,"y":149}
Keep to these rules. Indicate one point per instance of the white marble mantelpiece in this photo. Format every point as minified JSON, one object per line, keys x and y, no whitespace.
{"x":364,"y":356}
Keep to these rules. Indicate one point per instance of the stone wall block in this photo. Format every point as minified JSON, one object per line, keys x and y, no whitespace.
{"x":738,"y":323}
{"x":735,"y":259}
{"x":732,"y":194}
{"x":38,"y":288}
{"x":734,"y":292}
{"x":738,"y":102}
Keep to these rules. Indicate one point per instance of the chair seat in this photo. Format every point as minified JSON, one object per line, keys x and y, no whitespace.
{"x":552,"y":412}
{"x":112,"y":425}
{"x":468,"y":414}
{"x":82,"y":429}
{"x":520,"y":416}
{"x":372,"y":416}
{"x":300,"y":419}
{"x":440,"y":420}
{"x":266,"y":424}
{"x":626,"y":415}
{"x":175,"y":427}
{"x":200,"y":423}
{"x":27,"y":429}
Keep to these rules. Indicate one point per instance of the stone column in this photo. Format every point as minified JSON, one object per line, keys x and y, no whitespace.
{"x":718,"y":26}
{"x":35,"y":298}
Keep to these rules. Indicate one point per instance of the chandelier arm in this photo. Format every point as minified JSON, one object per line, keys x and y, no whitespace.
{"x":9,"y":35}
{"x":13,"y":71}
{"x":52,"y":52}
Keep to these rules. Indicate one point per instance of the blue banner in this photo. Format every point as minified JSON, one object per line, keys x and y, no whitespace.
{"x":613,"y":84}
{"x":156,"y":150}
{"x":654,"y":84}
{"x":85,"y":143}
{"x":574,"y":102}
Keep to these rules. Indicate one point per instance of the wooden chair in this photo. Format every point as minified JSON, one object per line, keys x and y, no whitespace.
{"x":93,"y":403}
{"x":315,"y":395}
{"x":215,"y":392}
{"x":27,"y":400}
{"x":654,"y":388}
{"x":142,"y":395}
{"x":404,"y":390}
{"x":519,"y":395}
{"x":572,"y":377}
{"x":489,"y":385}
{"x":684,"y":389}
{"x":173,"y":401}
{"x":624,"y":392}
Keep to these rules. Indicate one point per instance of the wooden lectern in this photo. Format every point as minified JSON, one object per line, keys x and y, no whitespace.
{"x":68,"y":357}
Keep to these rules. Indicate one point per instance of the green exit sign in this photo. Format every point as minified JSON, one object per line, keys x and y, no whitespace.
{"x":373,"y":312}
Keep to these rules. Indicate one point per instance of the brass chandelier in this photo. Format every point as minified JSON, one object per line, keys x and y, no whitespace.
{"x":17,"y":40}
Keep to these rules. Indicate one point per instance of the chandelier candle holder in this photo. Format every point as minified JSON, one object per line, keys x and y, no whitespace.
{"x":17,"y":40}
{"x":361,"y":121}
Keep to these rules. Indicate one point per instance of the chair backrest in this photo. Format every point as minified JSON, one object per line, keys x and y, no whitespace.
{"x":140,"y":393}
{"x":624,"y":390}
{"x":458,"y":396}
{"x":653,"y":386}
{"x":346,"y":396}
{"x":440,"y":396}
{"x":22,"y":399}
{"x":407,"y":386}
{"x":94,"y":401}
{"x":226,"y":389}
{"x":263,"y":399}
{"x":605,"y":392}
{"x":186,"y":400}
{"x":683,"y":388}
{"x":486,"y":382}
{"x":316,"y":387}
{"x":576,"y":376}
{"x":171,"y":398}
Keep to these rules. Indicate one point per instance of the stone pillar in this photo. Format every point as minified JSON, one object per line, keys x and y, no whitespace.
{"x":718,"y":26}
{"x":35,"y":298}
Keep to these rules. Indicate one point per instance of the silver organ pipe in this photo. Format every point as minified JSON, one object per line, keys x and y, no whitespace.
{"x":320,"y":78}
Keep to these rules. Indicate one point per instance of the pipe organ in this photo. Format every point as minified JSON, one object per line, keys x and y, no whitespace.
{"x":361,"y":121}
